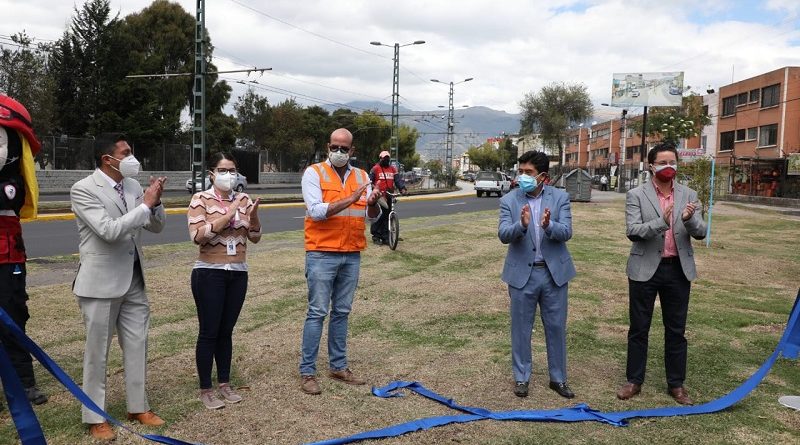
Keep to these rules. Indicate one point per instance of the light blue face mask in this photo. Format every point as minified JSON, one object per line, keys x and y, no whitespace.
{"x":527,"y":183}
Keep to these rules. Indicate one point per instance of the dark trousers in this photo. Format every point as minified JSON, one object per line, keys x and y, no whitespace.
{"x":13,"y":300}
{"x":219,"y":297}
{"x":380,"y":228}
{"x":672,"y":288}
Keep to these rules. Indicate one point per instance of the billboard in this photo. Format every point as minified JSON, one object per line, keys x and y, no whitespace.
{"x":647,"y":89}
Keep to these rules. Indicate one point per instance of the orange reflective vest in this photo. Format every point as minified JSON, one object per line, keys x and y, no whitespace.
{"x":343,"y":232}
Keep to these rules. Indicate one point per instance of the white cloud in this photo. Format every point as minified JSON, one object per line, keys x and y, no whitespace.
{"x":509,"y":47}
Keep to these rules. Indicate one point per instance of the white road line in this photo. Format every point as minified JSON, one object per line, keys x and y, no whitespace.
{"x":455,"y":204}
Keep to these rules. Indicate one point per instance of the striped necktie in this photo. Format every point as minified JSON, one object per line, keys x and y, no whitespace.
{"x":121,"y":194}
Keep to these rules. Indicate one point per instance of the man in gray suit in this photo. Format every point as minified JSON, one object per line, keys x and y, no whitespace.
{"x":536,"y":223}
{"x":111,"y":209}
{"x":660,"y":217}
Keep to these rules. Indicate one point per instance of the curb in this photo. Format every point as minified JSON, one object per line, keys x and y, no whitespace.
{"x":181,"y":210}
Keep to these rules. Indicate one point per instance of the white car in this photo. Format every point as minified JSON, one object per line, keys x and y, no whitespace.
{"x":241,"y":183}
{"x":492,"y":182}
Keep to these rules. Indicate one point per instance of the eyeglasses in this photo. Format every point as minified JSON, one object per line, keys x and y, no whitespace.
{"x":222,"y":171}
{"x":8,"y":114}
{"x":339,"y":148}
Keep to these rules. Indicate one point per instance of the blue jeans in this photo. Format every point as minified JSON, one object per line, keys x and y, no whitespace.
{"x":332,"y":279}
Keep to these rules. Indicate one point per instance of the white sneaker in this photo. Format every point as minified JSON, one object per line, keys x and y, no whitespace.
{"x":229,"y":394}
{"x":210,"y":399}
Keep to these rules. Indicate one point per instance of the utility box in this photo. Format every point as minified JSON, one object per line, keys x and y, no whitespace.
{"x":577,"y":183}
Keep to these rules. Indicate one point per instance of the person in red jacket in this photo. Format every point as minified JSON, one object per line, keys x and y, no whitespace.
{"x":386,"y":179}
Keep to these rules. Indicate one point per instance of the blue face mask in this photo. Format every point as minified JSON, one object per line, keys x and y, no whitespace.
{"x":527,"y":183}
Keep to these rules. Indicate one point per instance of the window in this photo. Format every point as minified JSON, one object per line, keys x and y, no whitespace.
{"x":741,"y":99}
{"x":726,"y":141}
{"x":740,"y":133}
{"x":705,"y":110}
{"x":752,"y":133}
{"x":768,"y":135}
{"x":769,"y":95}
{"x":755,"y":95}
{"x":704,"y":142}
{"x":729,"y":106}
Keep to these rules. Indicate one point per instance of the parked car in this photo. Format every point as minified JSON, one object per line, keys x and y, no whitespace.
{"x":635,"y":93}
{"x":469,"y":176}
{"x":492,"y":182}
{"x":241,"y":183}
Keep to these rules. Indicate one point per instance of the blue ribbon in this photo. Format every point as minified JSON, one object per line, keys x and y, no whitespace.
{"x":788,"y":346}
{"x":30,"y":433}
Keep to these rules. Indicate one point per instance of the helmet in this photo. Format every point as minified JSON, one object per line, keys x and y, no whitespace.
{"x":14,"y":115}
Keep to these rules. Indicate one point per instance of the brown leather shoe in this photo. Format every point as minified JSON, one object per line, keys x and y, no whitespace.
{"x":149,"y":418}
{"x":346,"y":376}
{"x":628,"y":390}
{"x":681,"y":395}
{"x":309,"y":385}
{"x":102,"y":431}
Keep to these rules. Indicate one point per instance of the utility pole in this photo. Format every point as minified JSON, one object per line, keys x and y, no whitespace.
{"x":643,"y":148}
{"x":450,"y":123}
{"x":199,"y":96}
{"x":393,"y":141}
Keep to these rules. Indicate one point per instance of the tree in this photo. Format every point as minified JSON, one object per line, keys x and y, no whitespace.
{"x":699,"y":174}
{"x":486,"y":157}
{"x":25,"y":77}
{"x":253,"y":114}
{"x":552,"y":110}
{"x":407,"y":146}
{"x":675,"y":123}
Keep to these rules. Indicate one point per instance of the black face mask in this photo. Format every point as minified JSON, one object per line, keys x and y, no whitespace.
{"x":385,"y":162}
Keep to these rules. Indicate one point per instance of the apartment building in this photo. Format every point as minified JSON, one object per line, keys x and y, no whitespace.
{"x":758,"y":130}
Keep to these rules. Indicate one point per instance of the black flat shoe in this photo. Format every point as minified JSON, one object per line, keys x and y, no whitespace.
{"x":521,"y":389}
{"x":562,"y":389}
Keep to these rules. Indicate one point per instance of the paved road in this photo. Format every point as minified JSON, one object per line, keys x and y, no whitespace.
{"x":172,"y":193}
{"x":48,"y":238}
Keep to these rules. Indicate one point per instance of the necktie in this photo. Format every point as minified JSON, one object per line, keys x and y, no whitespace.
{"x":121,"y":194}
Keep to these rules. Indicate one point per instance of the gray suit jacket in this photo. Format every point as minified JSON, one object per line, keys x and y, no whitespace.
{"x":109,"y":236}
{"x":519,"y":259}
{"x":645,"y":226}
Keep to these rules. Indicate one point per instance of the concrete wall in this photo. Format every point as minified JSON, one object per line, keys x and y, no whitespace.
{"x":61,"y":180}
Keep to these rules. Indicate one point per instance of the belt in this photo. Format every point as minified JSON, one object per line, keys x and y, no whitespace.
{"x":539,"y":264}
{"x":670,"y":260}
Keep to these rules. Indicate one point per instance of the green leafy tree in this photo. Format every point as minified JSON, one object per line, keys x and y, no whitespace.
{"x":486,"y":157}
{"x":24,"y":75}
{"x":371,"y":134}
{"x":699,"y":179}
{"x":253,"y":114}
{"x":407,"y":146}
{"x":552,"y":110}
{"x":87,"y":63}
{"x":675,"y":123}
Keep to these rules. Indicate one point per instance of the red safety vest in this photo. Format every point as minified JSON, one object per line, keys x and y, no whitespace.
{"x":343,"y":232}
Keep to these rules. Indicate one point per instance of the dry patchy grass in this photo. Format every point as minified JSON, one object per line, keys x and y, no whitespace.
{"x":435,"y":311}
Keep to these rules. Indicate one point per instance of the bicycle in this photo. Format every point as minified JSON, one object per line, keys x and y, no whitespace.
{"x":393,"y":221}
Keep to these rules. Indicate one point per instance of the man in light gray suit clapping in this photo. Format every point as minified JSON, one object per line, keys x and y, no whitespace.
{"x":111,"y":209}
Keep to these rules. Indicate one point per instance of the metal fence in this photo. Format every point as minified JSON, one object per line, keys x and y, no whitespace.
{"x":71,"y":153}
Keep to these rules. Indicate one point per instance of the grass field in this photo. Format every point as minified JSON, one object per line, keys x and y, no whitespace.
{"x":436,"y":311}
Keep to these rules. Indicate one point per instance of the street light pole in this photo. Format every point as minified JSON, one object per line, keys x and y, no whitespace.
{"x":393,"y":141}
{"x":450,"y":122}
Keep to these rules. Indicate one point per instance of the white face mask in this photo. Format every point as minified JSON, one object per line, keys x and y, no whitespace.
{"x":338,"y":159}
{"x":128,"y":166}
{"x":224,"y":181}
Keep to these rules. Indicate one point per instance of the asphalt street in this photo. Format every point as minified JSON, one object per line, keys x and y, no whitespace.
{"x":50,"y":197}
{"x":49,"y":238}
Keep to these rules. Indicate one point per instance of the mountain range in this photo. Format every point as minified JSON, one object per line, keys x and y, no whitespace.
{"x":472,"y":126}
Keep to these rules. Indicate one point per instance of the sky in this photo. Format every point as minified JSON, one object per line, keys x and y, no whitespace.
{"x":320,"y":51}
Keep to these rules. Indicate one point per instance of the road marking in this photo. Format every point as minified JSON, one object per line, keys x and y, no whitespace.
{"x":455,"y":204}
